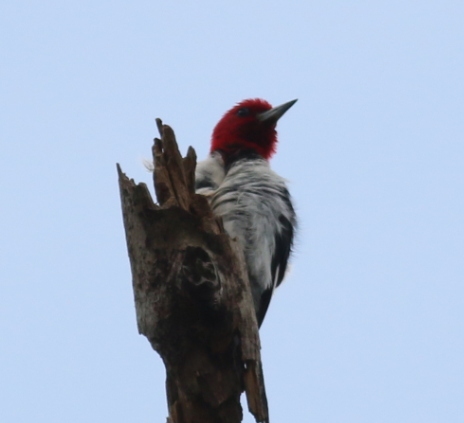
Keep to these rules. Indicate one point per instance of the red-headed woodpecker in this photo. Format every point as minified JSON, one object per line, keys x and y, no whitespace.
{"x":252,"y":200}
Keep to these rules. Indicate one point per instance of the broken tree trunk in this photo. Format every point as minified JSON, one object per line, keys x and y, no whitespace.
{"x":192,"y":297}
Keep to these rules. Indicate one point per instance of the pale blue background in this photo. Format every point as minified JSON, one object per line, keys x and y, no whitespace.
{"x":369,"y":325}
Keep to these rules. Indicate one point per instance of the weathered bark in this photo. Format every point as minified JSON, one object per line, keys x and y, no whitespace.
{"x":192,"y":297}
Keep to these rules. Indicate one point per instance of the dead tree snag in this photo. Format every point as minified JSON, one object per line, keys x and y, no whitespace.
{"x":192,"y":297}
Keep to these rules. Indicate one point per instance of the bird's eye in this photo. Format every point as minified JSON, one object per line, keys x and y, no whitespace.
{"x":243,"y":111}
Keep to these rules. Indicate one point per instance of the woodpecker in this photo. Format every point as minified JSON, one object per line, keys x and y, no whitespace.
{"x":252,"y":200}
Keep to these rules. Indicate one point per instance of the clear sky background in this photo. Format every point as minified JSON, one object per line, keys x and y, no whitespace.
{"x":369,"y":325}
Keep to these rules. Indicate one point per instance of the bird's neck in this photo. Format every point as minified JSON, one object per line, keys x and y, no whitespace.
{"x":231,"y":156}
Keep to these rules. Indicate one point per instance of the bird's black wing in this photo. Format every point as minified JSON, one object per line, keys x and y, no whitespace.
{"x":283,"y":248}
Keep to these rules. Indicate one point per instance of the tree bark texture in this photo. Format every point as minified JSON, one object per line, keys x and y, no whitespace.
{"x":192,"y":296}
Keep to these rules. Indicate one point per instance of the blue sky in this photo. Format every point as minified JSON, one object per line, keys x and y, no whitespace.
{"x":369,"y":325}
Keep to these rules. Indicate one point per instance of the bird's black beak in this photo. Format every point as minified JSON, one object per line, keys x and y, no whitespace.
{"x":273,"y":115}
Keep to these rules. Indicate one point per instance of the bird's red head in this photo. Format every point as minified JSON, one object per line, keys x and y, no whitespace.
{"x":250,"y":125}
